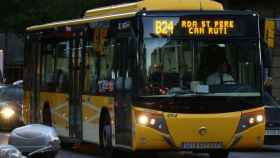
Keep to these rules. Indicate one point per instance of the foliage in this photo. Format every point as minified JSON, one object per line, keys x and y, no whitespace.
{"x":16,"y":15}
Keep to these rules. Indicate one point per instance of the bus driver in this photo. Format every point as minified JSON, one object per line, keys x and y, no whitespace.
{"x":222,"y":74}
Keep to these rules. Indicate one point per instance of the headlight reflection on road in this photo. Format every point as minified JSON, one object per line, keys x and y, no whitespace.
{"x":7,"y":113}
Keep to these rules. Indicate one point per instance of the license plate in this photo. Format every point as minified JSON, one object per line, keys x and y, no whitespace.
{"x":272,"y":132}
{"x":203,"y":145}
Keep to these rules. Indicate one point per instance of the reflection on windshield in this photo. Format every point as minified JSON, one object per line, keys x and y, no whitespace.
{"x":186,"y":67}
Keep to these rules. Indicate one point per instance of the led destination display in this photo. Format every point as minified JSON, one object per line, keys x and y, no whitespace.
{"x":220,"y":26}
{"x":208,"y":27}
{"x":195,"y":27}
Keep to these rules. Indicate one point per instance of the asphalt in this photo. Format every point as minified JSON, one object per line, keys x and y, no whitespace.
{"x":87,"y":151}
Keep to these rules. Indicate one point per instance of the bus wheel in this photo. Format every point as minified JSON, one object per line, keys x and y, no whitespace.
{"x":47,"y":117}
{"x":106,"y":136}
{"x":219,"y":154}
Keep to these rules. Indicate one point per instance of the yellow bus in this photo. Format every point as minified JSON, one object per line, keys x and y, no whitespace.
{"x":151,"y":75}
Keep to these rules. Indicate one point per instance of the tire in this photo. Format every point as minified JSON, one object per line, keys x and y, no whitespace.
{"x":219,"y":154}
{"x":47,"y":117}
{"x":66,"y":145}
{"x":106,"y":136}
{"x":105,"y":139}
{"x":106,"y":146}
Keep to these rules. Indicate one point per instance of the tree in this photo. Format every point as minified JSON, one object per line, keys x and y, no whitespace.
{"x":16,"y":15}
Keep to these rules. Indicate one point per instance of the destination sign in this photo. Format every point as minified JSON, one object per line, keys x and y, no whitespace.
{"x":195,"y":27}
{"x":164,"y":27}
{"x":208,"y":27}
{"x":201,"y":26}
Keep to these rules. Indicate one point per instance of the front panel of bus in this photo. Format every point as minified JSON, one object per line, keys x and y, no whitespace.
{"x":199,"y":83}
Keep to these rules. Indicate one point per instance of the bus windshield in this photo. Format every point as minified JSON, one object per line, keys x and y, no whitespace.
{"x":200,"y":66}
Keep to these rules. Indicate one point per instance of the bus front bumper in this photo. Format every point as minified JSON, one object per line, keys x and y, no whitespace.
{"x":184,"y":138}
{"x":148,"y":139}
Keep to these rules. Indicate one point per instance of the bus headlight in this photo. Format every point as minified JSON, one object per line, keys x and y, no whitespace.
{"x":260,"y":118}
{"x":153,"y":120}
{"x":143,"y":119}
{"x":7,"y":113}
{"x":250,"y":119}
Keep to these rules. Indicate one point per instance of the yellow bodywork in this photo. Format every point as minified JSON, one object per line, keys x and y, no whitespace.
{"x":130,"y":10}
{"x":182,"y":127}
{"x":59,"y":104}
{"x":185,"y":128}
{"x":91,"y":107}
{"x":156,"y":5}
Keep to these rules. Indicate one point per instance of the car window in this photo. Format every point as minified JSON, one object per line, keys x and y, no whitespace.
{"x":11,"y":94}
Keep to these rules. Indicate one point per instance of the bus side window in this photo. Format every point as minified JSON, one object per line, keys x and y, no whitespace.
{"x":90,"y":86}
{"x":105,"y":80}
{"x":61,"y":81}
{"x":48,"y":63}
{"x":61,"y":74}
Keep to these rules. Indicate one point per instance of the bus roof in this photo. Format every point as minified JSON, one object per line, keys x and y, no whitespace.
{"x":76,"y":22}
{"x":130,"y":9}
{"x":156,"y":5}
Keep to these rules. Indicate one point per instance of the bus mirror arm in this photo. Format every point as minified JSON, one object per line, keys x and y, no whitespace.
{"x":128,"y":84}
{"x":119,"y":83}
{"x":124,"y":84}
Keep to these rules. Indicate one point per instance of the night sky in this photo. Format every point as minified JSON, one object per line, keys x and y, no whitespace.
{"x":101,"y":3}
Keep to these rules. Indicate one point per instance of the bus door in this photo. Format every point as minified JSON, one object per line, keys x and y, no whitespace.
{"x":123,"y":106}
{"x":75,"y":109}
{"x":35,"y":51}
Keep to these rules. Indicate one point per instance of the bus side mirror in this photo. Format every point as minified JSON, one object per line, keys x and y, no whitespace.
{"x":124,"y":84}
{"x":119,"y":83}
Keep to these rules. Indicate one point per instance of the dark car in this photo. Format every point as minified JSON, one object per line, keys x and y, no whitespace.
{"x":34,"y":138}
{"x":272,"y":131}
{"x":11,"y":101}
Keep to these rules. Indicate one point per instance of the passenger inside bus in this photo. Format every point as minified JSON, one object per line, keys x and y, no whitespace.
{"x":221,"y":75}
{"x":161,"y":82}
{"x":61,"y":81}
{"x":186,"y":77}
{"x":156,"y":77}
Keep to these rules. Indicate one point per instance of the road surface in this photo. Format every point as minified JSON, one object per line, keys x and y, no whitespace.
{"x":269,"y":152}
